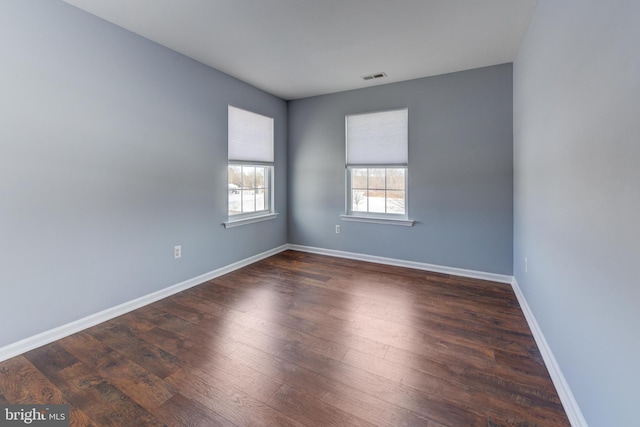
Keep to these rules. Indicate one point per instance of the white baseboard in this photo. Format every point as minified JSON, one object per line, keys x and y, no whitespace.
{"x":564,"y":392}
{"x":54,"y":334}
{"x":501,"y":278}
{"x":562,"y":387}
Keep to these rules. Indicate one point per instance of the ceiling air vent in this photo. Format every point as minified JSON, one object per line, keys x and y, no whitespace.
{"x":374,"y":76}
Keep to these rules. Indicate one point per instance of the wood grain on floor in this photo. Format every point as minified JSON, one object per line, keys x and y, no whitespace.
{"x":302,"y":340}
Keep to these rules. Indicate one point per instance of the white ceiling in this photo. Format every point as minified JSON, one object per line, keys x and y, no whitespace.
{"x":299,"y":48}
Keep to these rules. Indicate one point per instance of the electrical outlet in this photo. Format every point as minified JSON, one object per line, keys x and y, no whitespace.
{"x":337,"y":229}
{"x":177,"y":251}
{"x":526,"y":264}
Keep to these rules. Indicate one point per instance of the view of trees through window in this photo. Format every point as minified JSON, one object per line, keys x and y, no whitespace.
{"x":378,"y":190}
{"x":248,"y":188}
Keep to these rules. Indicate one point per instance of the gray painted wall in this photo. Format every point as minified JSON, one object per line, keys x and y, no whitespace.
{"x":113,"y":149}
{"x":460,"y":171}
{"x":577,"y":196}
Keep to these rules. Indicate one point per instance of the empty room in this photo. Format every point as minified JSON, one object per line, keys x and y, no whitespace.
{"x":315,"y":213}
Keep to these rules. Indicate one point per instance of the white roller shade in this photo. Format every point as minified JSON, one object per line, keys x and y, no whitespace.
{"x":250,"y":136}
{"x":378,"y":138}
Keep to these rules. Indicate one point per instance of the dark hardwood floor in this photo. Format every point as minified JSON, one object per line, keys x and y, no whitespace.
{"x":302,"y":340}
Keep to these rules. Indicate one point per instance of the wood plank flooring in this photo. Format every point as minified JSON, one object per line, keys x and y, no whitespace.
{"x":302,"y":340}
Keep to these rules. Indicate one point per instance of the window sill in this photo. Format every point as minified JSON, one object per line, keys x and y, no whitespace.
{"x":379,"y":220}
{"x":250,"y":220}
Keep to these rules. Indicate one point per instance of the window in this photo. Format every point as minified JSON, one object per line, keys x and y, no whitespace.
{"x":377,"y":161}
{"x":248,"y":188}
{"x":250,"y":167}
{"x":378,"y":190}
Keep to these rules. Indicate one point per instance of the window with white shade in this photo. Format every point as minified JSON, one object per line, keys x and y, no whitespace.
{"x":250,"y":167}
{"x":377,"y":161}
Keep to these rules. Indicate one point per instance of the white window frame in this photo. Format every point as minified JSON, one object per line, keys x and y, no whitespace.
{"x":246,"y":160}
{"x":368,"y":212}
{"x":368,"y":216}
{"x":268,"y":185}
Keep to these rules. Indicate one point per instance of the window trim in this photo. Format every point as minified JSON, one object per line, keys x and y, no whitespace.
{"x":255,"y":216}
{"x":349,"y":192}
{"x":376,"y":217}
{"x":250,"y":220}
{"x":242,"y":141}
{"x":359,"y":163}
{"x":378,"y":220}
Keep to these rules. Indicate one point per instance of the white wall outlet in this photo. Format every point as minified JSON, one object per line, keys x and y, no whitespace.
{"x":526,"y":264}
{"x":177,"y":251}
{"x":337,"y":229}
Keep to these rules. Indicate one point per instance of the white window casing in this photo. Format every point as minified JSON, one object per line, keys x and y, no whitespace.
{"x":250,"y":168}
{"x":377,"y":144}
